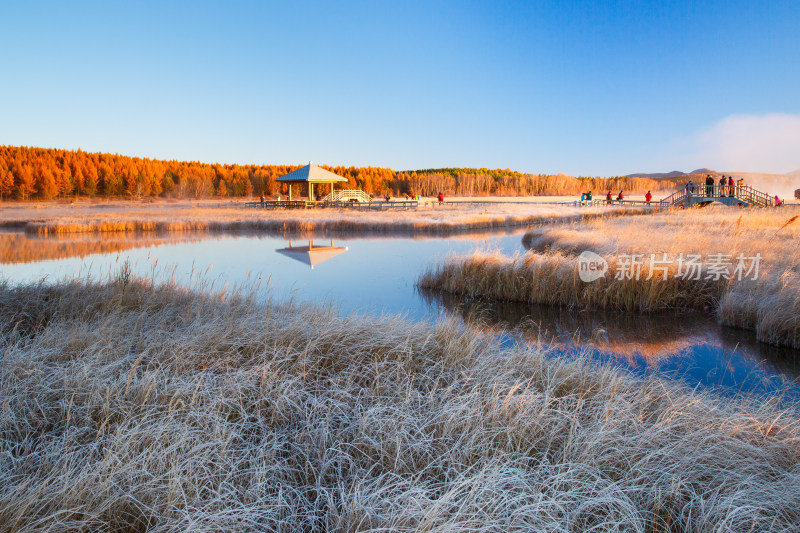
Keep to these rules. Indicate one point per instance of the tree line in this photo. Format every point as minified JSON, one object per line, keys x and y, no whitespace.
{"x":48,"y":173}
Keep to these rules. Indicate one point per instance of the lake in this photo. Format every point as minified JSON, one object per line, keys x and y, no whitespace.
{"x":377,"y":274}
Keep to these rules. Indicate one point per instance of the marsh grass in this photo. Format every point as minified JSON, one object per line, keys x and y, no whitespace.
{"x":552,"y":278}
{"x":131,"y":407}
{"x":769,"y":305}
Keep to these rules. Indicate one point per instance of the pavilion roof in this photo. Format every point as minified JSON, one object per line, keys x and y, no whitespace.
{"x":311,"y":174}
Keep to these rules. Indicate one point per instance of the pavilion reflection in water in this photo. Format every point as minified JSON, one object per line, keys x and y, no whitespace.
{"x":311,"y":254}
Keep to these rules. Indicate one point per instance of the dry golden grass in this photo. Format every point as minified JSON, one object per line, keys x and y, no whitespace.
{"x":770,"y":305}
{"x":552,"y":278}
{"x":128,"y":407}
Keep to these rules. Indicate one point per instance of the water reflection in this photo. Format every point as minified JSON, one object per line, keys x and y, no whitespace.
{"x":689,"y":345}
{"x":18,"y":247}
{"x":311,"y":254}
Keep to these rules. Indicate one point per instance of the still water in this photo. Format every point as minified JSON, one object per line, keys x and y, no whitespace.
{"x":376,"y":275}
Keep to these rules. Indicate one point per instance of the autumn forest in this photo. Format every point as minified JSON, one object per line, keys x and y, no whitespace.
{"x":45,"y":173}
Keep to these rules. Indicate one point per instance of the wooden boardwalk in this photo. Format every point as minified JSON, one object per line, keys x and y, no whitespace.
{"x":700,"y":196}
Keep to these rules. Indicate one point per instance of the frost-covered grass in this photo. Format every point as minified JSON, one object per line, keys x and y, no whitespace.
{"x":131,"y":407}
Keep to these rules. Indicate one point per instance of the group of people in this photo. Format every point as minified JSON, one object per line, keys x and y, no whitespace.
{"x":712,"y":188}
{"x":587,"y":197}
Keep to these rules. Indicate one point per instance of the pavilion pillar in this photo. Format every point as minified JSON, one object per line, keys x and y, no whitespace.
{"x":310,"y":192}
{"x":290,"y":192}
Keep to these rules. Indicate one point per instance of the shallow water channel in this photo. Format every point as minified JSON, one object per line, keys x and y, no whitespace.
{"x":377,"y":274}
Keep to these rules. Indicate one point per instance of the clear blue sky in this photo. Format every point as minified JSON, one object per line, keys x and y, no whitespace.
{"x":589,"y":88}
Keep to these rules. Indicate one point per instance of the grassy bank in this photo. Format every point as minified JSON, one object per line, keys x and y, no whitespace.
{"x":128,"y":407}
{"x":552,"y":278}
{"x":769,"y":305}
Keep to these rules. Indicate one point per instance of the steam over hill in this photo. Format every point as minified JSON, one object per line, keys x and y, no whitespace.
{"x":782,"y":185}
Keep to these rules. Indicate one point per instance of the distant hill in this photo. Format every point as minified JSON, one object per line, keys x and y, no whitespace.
{"x":657,"y":175}
{"x":703,"y":171}
{"x":795,"y":174}
{"x":672,"y":175}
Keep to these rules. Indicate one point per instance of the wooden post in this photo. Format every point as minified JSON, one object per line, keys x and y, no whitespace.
{"x":290,"y":192}
{"x":310,"y":192}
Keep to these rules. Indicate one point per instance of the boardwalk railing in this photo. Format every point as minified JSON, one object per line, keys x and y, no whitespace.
{"x":358,"y":206}
{"x":704,"y":194}
{"x":617,"y":203}
{"x":347,"y":195}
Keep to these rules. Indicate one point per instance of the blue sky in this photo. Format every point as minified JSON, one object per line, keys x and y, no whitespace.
{"x":585,"y":88}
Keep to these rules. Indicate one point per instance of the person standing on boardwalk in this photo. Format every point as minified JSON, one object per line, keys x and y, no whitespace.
{"x":722,"y":186}
{"x":441,"y":198}
{"x":730,"y":186}
{"x":709,"y":185}
{"x":648,"y":197}
{"x":262,"y":199}
{"x":620,"y":196}
{"x":608,"y":198}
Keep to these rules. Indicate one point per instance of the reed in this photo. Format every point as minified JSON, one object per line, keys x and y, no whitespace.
{"x":128,"y":407}
{"x":553,"y":279}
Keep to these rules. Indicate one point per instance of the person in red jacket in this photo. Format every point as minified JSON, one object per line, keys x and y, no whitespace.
{"x":441,"y":198}
{"x":620,"y":196}
{"x":648,"y":197}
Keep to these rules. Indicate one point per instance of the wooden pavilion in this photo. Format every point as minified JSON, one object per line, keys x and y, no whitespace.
{"x":310,"y":174}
